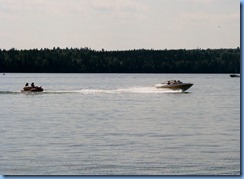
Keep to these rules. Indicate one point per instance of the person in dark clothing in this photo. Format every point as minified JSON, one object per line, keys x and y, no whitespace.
{"x":27,"y":84}
{"x":32,"y":85}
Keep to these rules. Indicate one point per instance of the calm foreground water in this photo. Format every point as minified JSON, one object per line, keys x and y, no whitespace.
{"x":119,"y":124}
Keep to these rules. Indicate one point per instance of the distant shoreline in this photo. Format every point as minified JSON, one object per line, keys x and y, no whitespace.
{"x":85,"y":60}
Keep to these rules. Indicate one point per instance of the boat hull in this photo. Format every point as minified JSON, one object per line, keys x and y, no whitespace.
{"x":32,"y":89}
{"x":183,"y":86}
{"x":234,"y":76}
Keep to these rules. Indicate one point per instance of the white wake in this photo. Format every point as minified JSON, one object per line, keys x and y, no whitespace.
{"x":138,"y":90}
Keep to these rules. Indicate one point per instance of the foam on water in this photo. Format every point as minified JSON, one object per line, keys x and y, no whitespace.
{"x":138,"y":90}
{"x":143,"y":90}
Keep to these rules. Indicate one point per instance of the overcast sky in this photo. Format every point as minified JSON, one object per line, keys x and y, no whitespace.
{"x":120,"y":24}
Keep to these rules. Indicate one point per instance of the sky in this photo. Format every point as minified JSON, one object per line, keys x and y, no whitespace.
{"x":120,"y":24}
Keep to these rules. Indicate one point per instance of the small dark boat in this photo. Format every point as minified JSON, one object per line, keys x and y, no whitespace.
{"x":32,"y":89}
{"x":234,"y":76}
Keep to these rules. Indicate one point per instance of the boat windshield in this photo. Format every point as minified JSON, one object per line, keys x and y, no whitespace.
{"x":170,"y":82}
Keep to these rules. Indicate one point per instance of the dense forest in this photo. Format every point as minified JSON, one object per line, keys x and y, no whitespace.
{"x":85,"y":60}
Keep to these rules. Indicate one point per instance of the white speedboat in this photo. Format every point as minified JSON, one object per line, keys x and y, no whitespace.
{"x":174,"y":85}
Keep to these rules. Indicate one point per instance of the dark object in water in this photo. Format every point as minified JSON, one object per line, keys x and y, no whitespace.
{"x":32,"y":89}
{"x":234,"y":76}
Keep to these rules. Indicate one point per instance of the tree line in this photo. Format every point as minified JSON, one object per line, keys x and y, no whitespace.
{"x":85,"y":60}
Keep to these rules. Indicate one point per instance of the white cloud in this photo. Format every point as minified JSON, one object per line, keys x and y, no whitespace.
{"x":207,"y":30}
{"x":199,"y":1}
{"x":118,"y":10}
{"x":42,"y":6}
{"x":117,"y":5}
{"x":203,"y":18}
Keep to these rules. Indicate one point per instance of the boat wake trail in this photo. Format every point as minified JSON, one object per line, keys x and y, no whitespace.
{"x":138,"y":90}
{"x":132,"y":90}
{"x":10,"y":92}
{"x":144,"y":90}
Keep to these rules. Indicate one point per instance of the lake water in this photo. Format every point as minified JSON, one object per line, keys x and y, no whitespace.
{"x":119,"y":124}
